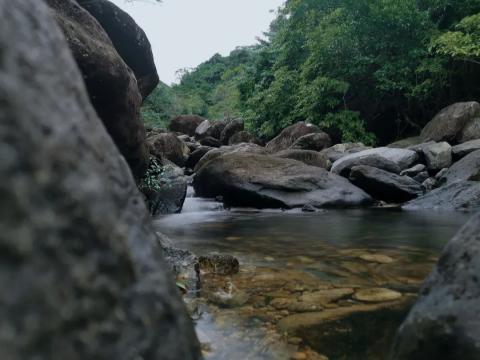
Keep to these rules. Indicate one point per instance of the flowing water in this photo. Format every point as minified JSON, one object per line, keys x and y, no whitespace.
{"x":332,"y":284}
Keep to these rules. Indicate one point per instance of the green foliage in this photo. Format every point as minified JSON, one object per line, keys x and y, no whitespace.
{"x":152,"y":180}
{"x":362,"y":69}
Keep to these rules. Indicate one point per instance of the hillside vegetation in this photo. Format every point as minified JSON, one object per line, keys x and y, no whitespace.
{"x":364,"y":70}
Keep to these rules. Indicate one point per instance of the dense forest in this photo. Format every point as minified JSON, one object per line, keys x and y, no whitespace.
{"x":363,"y":70}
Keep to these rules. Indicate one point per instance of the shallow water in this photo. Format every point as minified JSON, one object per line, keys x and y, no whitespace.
{"x":286,"y":257}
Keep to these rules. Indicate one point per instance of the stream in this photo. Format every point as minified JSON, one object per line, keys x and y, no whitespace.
{"x":333,"y":284}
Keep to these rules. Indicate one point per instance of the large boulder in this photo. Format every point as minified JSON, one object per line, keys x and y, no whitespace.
{"x":129,"y":40}
{"x":444,"y":322}
{"x":468,"y":168}
{"x":458,"y":196}
{"x":111,"y":84}
{"x":233,"y":127}
{"x":338,"y":151}
{"x":245,"y":179}
{"x":461,"y":150}
{"x":169,"y":146}
{"x":309,"y":157}
{"x":315,"y":142}
{"x":217,"y":128}
{"x":82,"y":276}
{"x":196,"y":155}
{"x":383,"y":185}
{"x":471,"y":131}
{"x":449,"y":123}
{"x":289,"y":135}
{"x":244,"y":137}
{"x":438,"y":155}
{"x":203,"y":130}
{"x":186,"y":124}
{"x":389,"y":159}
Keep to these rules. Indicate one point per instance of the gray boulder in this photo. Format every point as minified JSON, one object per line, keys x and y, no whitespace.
{"x":203,"y":130}
{"x":196,"y":155}
{"x":415,"y":170}
{"x":309,"y":157}
{"x":471,"y":131}
{"x":450,"y":122}
{"x":129,"y":40}
{"x":169,"y":146}
{"x":468,"y":168}
{"x":461,"y":150}
{"x":289,"y":135}
{"x":260,"y":181}
{"x":82,"y":276}
{"x":210,"y":141}
{"x":316,"y":142}
{"x":388,"y":159}
{"x":186,"y":124}
{"x":217,"y":128}
{"x":438,"y":156}
{"x":232,"y":127}
{"x":444,"y":322}
{"x":458,"y":196}
{"x":405,"y":143}
{"x":386,"y":186}
{"x":338,"y":151}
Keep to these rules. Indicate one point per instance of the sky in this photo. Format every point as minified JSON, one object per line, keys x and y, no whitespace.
{"x":185,"y":33}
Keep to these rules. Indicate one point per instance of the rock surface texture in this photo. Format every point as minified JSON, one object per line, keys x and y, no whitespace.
{"x":468,"y":168}
{"x":444,"y":322}
{"x":246,"y":179}
{"x":111,"y":84}
{"x":289,"y":135}
{"x":186,"y":124}
{"x":82,"y":276}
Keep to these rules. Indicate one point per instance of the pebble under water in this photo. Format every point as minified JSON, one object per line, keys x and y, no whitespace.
{"x":334,"y":284}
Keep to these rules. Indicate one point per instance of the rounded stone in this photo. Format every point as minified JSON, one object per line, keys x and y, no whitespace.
{"x":376,"y":295}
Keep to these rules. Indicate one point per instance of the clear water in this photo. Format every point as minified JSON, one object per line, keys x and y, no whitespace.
{"x":285,"y":255}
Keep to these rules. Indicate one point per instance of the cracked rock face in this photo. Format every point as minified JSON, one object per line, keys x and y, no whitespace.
{"x":82,"y":276}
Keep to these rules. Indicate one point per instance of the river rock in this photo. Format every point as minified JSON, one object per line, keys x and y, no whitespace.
{"x":211,"y":142}
{"x":444,"y":322}
{"x":406,"y":143}
{"x":413,"y":171}
{"x":374,"y":295}
{"x":261,"y":181}
{"x":324,"y":297}
{"x":289,"y":135}
{"x":461,"y":150}
{"x":449,"y":123}
{"x":168,"y":197}
{"x":383,"y":185}
{"x":232,"y":127}
{"x":196,"y":155}
{"x":468,"y":168}
{"x":217,"y":128}
{"x":244,"y":137}
{"x":203,"y":130}
{"x":376,"y":258}
{"x":422,"y":177}
{"x":186,"y":124}
{"x":313,"y":158}
{"x":316,"y":142}
{"x":111,"y":84}
{"x":82,"y":276}
{"x":168,"y":146}
{"x":338,"y":151}
{"x":129,"y":40}
{"x":219,"y":264}
{"x":462,"y":195}
{"x":471,"y":131}
{"x":438,"y":156}
{"x":388,"y":159}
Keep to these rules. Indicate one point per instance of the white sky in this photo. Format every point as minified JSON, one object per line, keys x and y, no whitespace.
{"x":185,"y":33}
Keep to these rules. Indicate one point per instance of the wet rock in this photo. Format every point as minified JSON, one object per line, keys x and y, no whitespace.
{"x":203,"y":130}
{"x":169,"y":194}
{"x":289,"y":135}
{"x":308,"y":157}
{"x":211,"y":142}
{"x":383,"y":185}
{"x":82,"y":276}
{"x":376,"y":258}
{"x":228,"y":297}
{"x":219,"y":264}
{"x":471,"y":131}
{"x":374,"y":295}
{"x":392,"y":160}
{"x":461,"y":150}
{"x":430,"y":184}
{"x":315,"y":142}
{"x":462,"y":195}
{"x":444,"y":323}
{"x":438,"y":155}
{"x":261,"y":181}
{"x":232,"y":127}
{"x":338,"y":151}
{"x":466,"y":169}
{"x":449,"y":123}
{"x":168,"y":146}
{"x":196,"y":155}
{"x":111,"y":85}
{"x":328,"y":296}
{"x":244,"y":137}
{"x":421,"y":178}
{"x":186,"y":124}
{"x":129,"y":40}
{"x":413,"y":171}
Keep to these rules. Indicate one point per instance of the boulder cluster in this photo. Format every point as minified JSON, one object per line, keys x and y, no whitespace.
{"x":301,"y":169}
